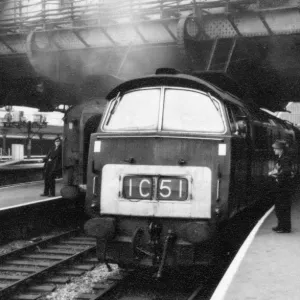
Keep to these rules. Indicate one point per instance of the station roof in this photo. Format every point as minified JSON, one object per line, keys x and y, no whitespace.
{"x":63,"y":43}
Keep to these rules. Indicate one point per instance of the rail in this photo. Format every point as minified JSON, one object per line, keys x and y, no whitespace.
{"x":42,"y":258}
{"x":18,"y":17}
{"x":104,"y":290}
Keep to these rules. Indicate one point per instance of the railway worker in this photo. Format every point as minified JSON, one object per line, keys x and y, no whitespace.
{"x":52,"y":168}
{"x":283,"y":175}
{"x":241,"y":128}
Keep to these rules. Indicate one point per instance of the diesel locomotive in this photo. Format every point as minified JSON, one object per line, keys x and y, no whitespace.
{"x":173,"y":159}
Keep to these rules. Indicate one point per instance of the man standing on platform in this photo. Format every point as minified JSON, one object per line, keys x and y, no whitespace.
{"x":52,"y":168}
{"x":283,"y":175}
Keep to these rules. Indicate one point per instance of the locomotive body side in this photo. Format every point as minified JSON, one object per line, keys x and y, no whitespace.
{"x":79,"y":122}
{"x":169,"y":165}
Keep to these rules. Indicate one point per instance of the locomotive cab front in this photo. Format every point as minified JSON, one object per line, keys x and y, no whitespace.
{"x":158,"y":172}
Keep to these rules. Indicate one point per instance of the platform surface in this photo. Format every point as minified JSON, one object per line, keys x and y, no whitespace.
{"x":267,"y":267}
{"x":25,"y":194}
{"x":22,"y":166}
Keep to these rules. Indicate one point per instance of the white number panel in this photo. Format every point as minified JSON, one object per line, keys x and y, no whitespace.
{"x":162,"y":191}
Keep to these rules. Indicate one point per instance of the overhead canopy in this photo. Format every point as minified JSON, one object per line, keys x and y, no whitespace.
{"x":46,"y":94}
{"x":255,"y":42}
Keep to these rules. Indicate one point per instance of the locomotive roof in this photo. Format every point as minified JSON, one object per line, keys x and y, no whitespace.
{"x":190,"y":81}
{"x":182,"y":80}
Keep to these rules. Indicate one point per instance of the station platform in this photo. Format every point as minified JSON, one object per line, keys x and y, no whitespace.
{"x":267,"y":266}
{"x":12,"y":172}
{"x":22,"y":166}
{"x":24,"y":214}
{"x":29,"y":163}
{"x":25,"y":194}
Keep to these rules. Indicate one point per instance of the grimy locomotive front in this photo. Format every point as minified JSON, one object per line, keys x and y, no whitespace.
{"x":174,"y":159}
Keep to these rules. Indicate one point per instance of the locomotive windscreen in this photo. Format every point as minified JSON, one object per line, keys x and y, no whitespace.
{"x":165,"y":108}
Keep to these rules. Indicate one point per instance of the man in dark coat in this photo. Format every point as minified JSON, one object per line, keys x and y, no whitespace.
{"x":52,"y":168}
{"x":283,"y":177}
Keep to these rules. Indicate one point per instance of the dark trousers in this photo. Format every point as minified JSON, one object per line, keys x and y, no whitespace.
{"x":283,"y":208}
{"x":49,"y":188}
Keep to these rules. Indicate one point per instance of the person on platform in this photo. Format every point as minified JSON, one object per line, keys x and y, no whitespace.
{"x":283,"y":179}
{"x":52,"y":168}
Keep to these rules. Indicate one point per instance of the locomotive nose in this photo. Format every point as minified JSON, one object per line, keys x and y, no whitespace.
{"x":103,"y":228}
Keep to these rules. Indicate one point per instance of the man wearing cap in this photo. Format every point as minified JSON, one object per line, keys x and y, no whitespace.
{"x":52,"y":168}
{"x":282,"y":174}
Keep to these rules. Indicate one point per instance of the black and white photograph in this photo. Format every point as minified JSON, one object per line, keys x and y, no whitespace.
{"x":149,"y":149}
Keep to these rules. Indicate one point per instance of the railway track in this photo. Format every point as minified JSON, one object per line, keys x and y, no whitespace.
{"x":137,"y":286}
{"x":31,"y":272}
{"x":102,"y":290}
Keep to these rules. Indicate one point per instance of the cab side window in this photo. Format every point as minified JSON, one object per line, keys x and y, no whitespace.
{"x":238,"y":120}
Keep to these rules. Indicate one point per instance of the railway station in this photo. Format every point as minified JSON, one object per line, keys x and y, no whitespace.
{"x":175,"y":149}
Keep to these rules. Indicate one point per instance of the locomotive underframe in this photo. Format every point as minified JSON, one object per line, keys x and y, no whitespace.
{"x":153,"y":242}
